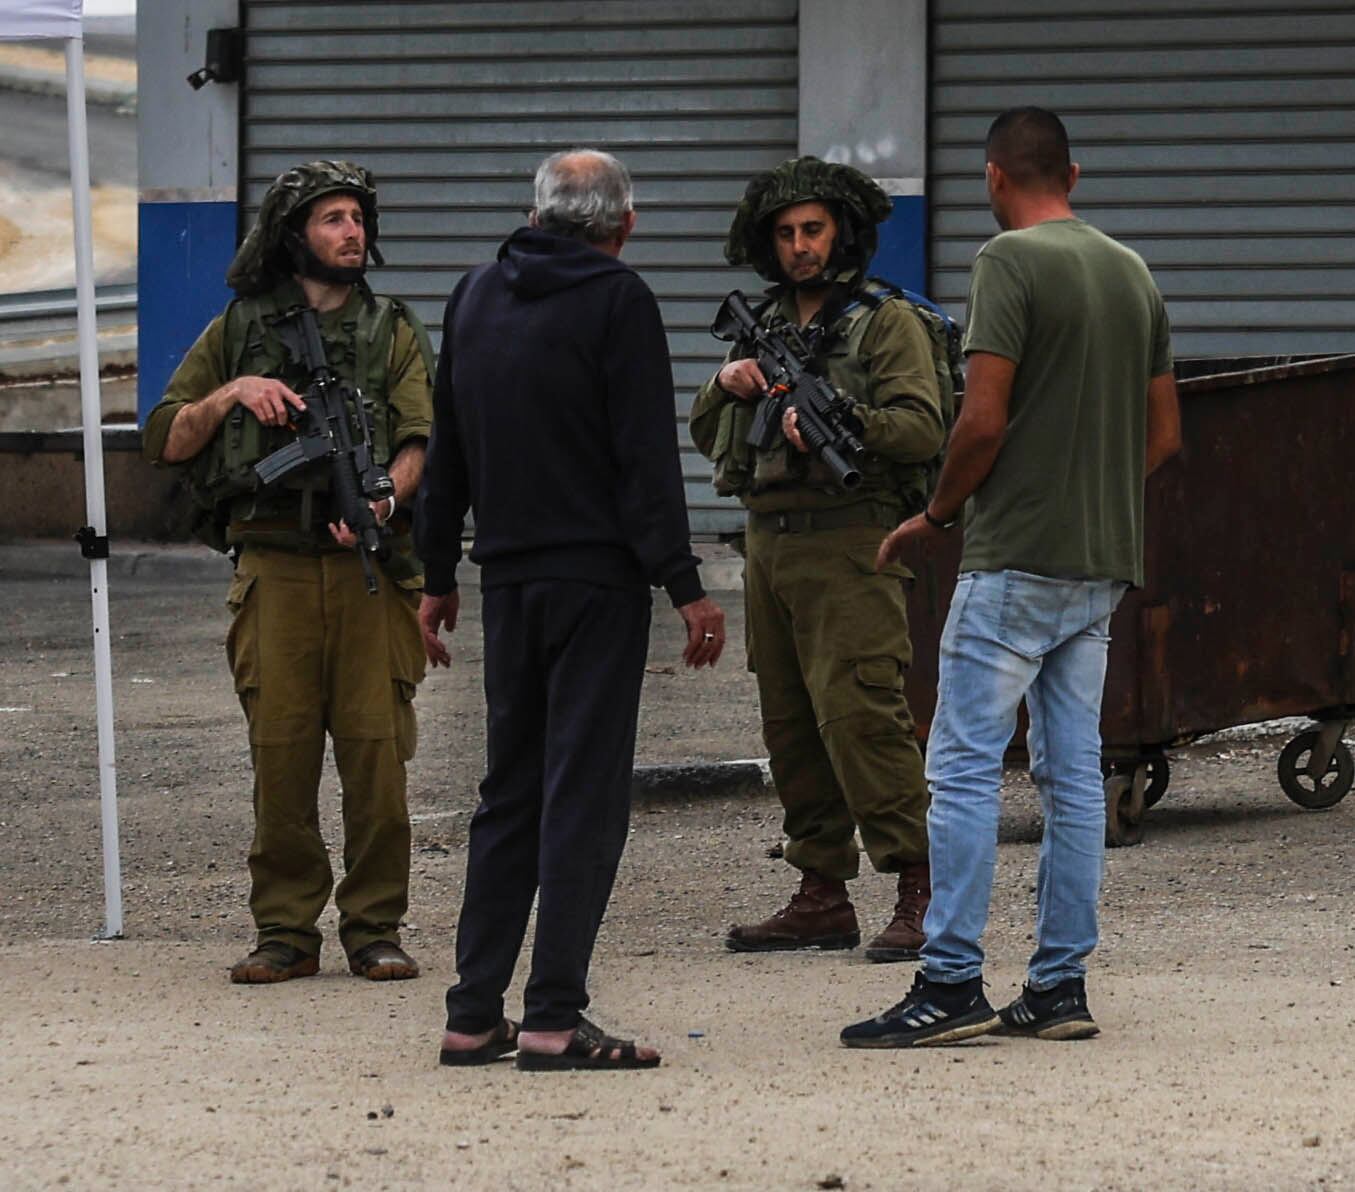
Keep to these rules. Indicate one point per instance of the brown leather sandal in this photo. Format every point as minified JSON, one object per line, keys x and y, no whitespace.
{"x":590,"y":1049}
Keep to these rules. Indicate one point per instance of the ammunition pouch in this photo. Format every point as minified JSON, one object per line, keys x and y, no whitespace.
{"x":732,"y":456}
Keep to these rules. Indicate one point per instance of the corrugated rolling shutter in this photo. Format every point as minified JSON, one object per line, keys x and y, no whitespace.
{"x":1217,"y":139}
{"x":452,"y":106}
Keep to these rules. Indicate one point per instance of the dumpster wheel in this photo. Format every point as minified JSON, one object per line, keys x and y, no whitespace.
{"x":1159,"y":774}
{"x":1315,"y":792}
{"x":1125,"y":807}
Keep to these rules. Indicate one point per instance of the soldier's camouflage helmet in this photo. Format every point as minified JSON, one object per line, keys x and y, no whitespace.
{"x":264,"y":258}
{"x":858,"y":199}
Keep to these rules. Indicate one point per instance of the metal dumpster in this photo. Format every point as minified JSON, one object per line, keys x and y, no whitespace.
{"x":1248,"y":607}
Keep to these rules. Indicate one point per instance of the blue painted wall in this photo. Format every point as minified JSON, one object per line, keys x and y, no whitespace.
{"x":902,"y":253}
{"x":187,"y":167}
{"x":181,"y":267}
{"x":863,"y":102}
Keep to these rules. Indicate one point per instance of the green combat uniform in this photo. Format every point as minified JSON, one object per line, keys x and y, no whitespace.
{"x":311,"y":651}
{"x":827,"y":635}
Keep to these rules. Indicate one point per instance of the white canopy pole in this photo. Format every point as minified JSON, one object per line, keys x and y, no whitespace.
{"x":92,"y":418}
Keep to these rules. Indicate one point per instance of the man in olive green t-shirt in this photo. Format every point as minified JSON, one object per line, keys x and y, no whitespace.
{"x":1069,"y":404}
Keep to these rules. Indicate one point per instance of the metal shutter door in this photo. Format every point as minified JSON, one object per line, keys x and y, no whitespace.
{"x":1220,"y":145}
{"x":452,"y":106}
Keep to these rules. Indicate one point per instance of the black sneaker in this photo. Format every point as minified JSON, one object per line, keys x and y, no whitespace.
{"x":1057,"y":1013}
{"x":931,"y":1014}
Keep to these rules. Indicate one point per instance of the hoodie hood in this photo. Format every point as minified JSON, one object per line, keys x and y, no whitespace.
{"x":534,"y":263}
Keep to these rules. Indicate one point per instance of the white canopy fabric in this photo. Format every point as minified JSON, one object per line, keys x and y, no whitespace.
{"x":23,"y":19}
{"x":62,"y":19}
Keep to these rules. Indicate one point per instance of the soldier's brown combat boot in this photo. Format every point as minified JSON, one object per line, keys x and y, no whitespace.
{"x":818,"y":915}
{"x":903,"y":937}
{"x":272,"y":962}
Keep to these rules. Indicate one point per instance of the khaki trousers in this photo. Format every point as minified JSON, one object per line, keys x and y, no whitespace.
{"x":828,"y":640}
{"x":312,"y":653}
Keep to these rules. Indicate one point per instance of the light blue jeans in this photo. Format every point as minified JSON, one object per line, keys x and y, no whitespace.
{"x":1011,"y":635}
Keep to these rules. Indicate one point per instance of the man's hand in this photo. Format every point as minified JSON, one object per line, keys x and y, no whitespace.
{"x":344,"y":536}
{"x":790,"y":428}
{"x":434,"y":612}
{"x":916,"y":533}
{"x":267,"y":399}
{"x":743,"y":379}
{"x":197,"y":421}
{"x":705,"y":632}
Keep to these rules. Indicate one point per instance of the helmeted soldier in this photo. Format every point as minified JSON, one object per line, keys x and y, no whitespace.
{"x":827,"y":634}
{"x":311,"y":651}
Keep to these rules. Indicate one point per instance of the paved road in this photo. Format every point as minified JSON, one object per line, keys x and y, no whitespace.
{"x":33,"y":152}
{"x":1222,"y":984}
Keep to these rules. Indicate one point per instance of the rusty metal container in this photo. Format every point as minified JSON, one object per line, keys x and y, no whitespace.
{"x":1247,"y":612}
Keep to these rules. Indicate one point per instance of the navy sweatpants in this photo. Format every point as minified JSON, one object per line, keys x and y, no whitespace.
{"x":564,"y":661}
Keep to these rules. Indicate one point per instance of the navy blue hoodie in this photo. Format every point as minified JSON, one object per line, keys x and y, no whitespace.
{"x":554,"y":422}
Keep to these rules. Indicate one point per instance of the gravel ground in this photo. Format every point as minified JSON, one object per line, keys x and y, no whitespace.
{"x":1223,"y":984}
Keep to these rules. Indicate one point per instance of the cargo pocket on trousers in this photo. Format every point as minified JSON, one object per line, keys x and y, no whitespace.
{"x":880,"y":674}
{"x":242,"y":639}
{"x":406,"y":725}
{"x":879,"y":700}
{"x":407,"y":667}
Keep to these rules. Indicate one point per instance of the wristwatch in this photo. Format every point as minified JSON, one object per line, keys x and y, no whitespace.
{"x":936,"y":522}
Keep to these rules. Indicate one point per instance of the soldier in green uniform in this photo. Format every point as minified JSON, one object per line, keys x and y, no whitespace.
{"x":312,"y":652}
{"x":827,"y":634}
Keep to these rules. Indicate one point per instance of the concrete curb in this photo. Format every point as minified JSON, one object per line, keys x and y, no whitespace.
{"x":61,"y":360}
{"x":54,"y":559}
{"x":744,"y":779}
{"x":48,"y":559}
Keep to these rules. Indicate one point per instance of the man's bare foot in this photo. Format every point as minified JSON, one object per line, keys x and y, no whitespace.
{"x":556,"y":1043}
{"x":453,"y":1041}
{"x":483,"y":1047}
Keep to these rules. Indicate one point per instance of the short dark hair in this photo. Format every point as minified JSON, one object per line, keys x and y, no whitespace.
{"x":1030,"y":146}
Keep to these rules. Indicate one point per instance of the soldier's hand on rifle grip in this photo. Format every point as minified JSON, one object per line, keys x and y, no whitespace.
{"x":343,"y":534}
{"x":792,"y":432}
{"x":267,"y":399}
{"x":743,"y":379}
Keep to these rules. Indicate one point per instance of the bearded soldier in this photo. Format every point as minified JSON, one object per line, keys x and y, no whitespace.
{"x":311,"y":650}
{"x":827,"y":634}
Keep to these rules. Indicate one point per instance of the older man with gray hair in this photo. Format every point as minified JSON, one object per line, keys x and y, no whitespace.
{"x":554,"y":424}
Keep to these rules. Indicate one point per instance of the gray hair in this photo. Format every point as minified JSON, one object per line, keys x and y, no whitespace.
{"x":582,"y":193}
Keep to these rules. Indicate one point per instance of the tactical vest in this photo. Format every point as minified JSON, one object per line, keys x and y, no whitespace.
{"x":943,"y":337}
{"x":739,"y":469}
{"x":221,"y":479}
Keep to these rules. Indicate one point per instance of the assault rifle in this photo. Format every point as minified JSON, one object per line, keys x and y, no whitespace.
{"x":325,"y":431}
{"x":825,"y":420}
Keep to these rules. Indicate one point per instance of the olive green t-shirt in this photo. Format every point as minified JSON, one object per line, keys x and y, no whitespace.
{"x":1082,"y":319}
